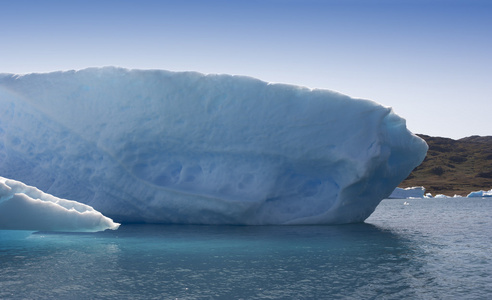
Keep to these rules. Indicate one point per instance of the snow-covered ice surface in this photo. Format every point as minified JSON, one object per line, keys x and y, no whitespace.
{"x":166,"y":147}
{"x":410,"y":192}
{"x":24,"y":207}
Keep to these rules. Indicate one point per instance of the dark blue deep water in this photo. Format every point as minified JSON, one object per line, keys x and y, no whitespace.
{"x":428,"y":249}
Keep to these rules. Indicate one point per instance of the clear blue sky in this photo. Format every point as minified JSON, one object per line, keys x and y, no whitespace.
{"x":429,"y":60}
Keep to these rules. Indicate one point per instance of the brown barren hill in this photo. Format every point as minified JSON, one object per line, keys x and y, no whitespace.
{"x":454,"y":167}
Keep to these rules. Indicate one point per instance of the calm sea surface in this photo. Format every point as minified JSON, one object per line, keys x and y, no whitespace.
{"x":428,"y":249}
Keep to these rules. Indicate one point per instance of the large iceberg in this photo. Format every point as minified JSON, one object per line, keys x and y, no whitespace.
{"x":183,"y":147}
{"x":25,"y":207}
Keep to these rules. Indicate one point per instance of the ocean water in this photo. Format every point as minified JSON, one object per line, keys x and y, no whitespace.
{"x":428,"y":249}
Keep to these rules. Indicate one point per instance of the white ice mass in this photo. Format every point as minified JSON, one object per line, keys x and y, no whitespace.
{"x":406,"y":193}
{"x":480,"y":194}
{"x":24,"y":207}
{"x":166,"y":147}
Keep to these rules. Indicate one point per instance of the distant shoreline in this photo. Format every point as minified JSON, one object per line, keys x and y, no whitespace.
{"x":454,"y":167}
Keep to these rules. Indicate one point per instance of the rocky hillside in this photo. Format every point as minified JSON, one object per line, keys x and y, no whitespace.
{"x":454,"y":166}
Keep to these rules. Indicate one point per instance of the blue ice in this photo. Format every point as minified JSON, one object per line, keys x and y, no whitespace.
{"x":182,"y":147}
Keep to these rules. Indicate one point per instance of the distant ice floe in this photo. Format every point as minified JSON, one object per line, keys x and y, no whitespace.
{"x":24,"y":207}
{"x":480,"y":194}
{"x":419,"y":192}
{"x":406,"y":193}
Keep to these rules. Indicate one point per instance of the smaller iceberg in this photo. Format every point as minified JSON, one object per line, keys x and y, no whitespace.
{"x":480,"y":194}
{"x":411,"y":192}
{"x":441,"y":196}
{"x":24,"y":207}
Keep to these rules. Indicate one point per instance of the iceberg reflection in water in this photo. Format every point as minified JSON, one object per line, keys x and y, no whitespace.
{"x":403,"y":254}
{"x":206,"y":261}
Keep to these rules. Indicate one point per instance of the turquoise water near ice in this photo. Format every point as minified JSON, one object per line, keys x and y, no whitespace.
{"x":428,"y":249}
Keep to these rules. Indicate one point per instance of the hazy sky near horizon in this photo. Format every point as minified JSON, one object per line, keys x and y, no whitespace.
{"x":429,"y":60}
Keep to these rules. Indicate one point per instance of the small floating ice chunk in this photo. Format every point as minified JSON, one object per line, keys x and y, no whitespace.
{"x":479,"y":194}
{"x":411,"y":192}
{"x":24,"y":207}
{"x":441,"y":196}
